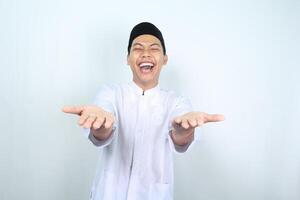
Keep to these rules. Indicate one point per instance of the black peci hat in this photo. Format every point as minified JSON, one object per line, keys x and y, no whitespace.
{"x":146,"y":28}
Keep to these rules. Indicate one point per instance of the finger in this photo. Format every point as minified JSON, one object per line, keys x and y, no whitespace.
{"x":98,"y":122}
{"x":185,"y":124}
{"x":73,"y":109}
{"x":213,"y":118}
{"x":176,"y":121}
{"x":83,"y":118}
{"x":192,"y":122}
{"x":90,"y":120}
{"x":108,"y":122}
{"x":200,"y":121}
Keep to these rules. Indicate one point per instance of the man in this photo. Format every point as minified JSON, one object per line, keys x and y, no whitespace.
{"x":139,"y":125}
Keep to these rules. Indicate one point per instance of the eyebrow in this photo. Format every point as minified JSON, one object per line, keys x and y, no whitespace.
{"x":154,"y":44}
{"x":135,"y":44}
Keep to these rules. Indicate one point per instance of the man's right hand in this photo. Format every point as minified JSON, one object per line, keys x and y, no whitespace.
{"x":98,"y":120}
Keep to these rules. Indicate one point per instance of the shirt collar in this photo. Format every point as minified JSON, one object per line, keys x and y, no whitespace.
{"x":140,"y":91}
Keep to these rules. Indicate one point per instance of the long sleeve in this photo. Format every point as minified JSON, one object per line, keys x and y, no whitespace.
{"x":104,"y":99}
{"x":180,"y":107}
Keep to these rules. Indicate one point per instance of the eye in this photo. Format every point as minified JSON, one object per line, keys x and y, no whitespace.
{"x":137,"y":49}
{"x":155,"y":49}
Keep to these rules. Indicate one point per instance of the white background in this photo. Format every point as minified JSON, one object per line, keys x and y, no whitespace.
{"x":232,"y":57}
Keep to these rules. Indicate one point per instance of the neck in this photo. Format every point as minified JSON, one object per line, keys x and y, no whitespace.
{"x":145,"y":86}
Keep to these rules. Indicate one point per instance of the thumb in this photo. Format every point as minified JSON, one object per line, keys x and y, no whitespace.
{"x":73,"y":109}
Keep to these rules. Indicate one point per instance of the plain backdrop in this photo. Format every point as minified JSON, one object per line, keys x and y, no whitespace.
{"x":238,"y":58}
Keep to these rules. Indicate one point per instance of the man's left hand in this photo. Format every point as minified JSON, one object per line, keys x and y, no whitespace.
{"x":194,"y":119}
{"x":184,"y":125}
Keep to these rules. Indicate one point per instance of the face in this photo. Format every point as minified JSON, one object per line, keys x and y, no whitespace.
{"x":146,"y":58}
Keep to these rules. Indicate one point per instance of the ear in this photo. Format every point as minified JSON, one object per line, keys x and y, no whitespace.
{"x":165,"y":59}
{"x":127,"y":59}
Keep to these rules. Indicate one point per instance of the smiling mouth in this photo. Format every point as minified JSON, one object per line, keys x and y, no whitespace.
{"x":146,"y":67}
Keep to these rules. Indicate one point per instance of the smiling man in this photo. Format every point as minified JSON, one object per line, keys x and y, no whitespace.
{"x":139,"y":125}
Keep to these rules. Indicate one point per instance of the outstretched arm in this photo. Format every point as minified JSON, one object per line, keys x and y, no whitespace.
{"x":184,"y":126}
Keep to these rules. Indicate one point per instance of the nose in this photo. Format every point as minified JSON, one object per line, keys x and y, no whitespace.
{"x":146,"y":53}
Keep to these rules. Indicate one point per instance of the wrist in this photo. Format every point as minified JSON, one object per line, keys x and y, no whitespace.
{"x":182,"y":137}
{"x":102,"y":133}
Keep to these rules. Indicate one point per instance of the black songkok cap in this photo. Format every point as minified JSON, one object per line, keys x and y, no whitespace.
{"x":146,"y":28}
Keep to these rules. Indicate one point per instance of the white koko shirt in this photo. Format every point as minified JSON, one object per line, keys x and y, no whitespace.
{"x":137,"y":159}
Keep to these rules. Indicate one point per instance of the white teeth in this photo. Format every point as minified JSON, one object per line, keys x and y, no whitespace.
{"x":146,"y":65}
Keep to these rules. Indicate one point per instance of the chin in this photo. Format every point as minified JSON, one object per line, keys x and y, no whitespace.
{"x":146,"y":81}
